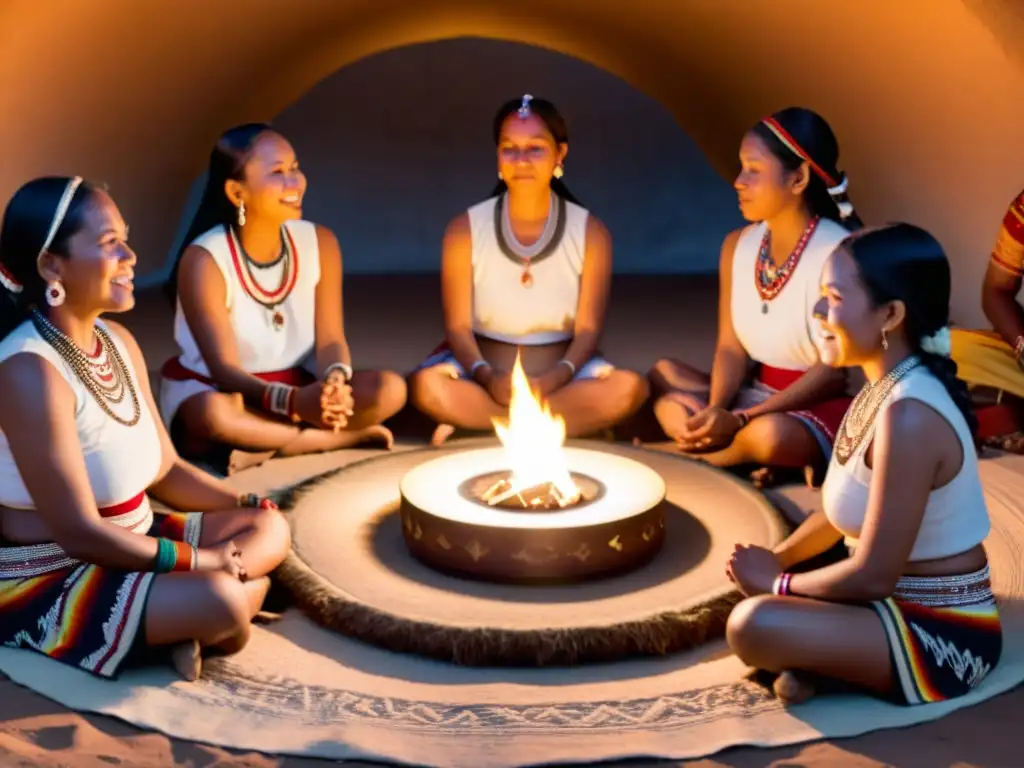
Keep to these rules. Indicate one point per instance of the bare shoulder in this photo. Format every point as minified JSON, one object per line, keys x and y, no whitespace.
{"x":31,"y":385}
{"x":597,"y":233}
{"x":325,"y":237}
{"x":729,"y":244}
{"x":126,"y":336}
{"x":458,"y":228}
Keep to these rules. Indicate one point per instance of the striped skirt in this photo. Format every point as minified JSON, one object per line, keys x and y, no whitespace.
{"x":83,"y":615}
{"x":944,"y":635}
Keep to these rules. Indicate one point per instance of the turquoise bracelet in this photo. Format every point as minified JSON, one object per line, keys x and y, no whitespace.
{"x":166,"y":556}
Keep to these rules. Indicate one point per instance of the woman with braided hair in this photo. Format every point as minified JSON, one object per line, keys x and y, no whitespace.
{"x":89,"y":574}
{"x":768,"y":400}
{"x":909,"y":614}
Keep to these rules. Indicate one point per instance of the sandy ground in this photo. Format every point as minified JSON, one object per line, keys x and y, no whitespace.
{"x":672,"y":313}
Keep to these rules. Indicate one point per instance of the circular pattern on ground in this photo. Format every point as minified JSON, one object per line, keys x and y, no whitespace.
{"x":350,"y":571}
{"x":618,"y":524}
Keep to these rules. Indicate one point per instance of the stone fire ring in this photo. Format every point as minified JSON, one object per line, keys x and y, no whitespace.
{"x":351,"y":571}
{"x":617,"y":526}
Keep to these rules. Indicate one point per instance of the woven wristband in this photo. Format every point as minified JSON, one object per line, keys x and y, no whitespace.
{"x":166,"y":556}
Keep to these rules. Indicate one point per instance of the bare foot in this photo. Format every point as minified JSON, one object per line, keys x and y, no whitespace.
{"x":791,"y":688}
{"x":441,"y":434}
{"x":239,"y":460}
{"x":266,"y":617}
{"x":187,"y":660}
{"x":378,"y":433}
{"x":762,"y":478}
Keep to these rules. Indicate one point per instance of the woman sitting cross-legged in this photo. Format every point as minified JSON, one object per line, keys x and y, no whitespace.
{"x":527,"y":272}
{"x":910,"y":613}
{"x":787,"y":415}
{"x":260,"y":306}
{"x":89,"y":574}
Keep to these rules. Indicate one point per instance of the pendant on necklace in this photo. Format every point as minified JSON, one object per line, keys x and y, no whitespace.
{"x":277,"y":320}
{"x":764,"y":307}
{"x":526,"y":279}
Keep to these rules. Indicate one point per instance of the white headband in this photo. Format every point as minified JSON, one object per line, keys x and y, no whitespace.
{"x":61,"y":212}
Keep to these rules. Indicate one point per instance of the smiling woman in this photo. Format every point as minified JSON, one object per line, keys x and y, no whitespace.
{"x":88,"y":572}
{"x":265,"y":367}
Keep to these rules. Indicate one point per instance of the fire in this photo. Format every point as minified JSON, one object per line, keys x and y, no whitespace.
{"x":533,"y":438}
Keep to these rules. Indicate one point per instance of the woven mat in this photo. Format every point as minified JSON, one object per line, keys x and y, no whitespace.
{"x":298,"y":689}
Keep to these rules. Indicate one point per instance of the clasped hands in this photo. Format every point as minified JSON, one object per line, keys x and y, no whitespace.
{"x":708,"y":428}
{"x":327,"y":404}
{"x":753,"y":569}
{"x":499,"y":383}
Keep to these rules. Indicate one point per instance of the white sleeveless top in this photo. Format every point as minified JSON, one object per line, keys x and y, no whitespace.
{"x":506,"y":310}
{"x":782,"y":337}
{"x":955,"y":517}
{"x":121,"y":461}
{"x":261,"y":348}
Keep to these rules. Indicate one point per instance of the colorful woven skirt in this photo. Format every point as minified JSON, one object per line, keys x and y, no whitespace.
{"x":944,"y":635}
{"x":80,"y":614}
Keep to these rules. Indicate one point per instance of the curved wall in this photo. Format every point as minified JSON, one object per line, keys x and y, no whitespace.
{"x":924,"y":94}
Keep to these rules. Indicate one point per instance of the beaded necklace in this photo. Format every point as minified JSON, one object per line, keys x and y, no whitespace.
{"x":771,"y":279}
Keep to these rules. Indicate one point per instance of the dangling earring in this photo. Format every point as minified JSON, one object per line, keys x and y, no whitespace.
{"x":500,"y":176}
{"x":558,"y":172}
{"x":55,"y":293}
{"x":885,"y":340}
{"x":241,"y":214}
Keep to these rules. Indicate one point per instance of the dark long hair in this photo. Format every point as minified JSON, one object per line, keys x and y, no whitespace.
{"x":809,"y":133}
{"x":905,"y":263}
{"x":227,"y":162}
{"x":26,"y":223}
{"x":553,"y":121}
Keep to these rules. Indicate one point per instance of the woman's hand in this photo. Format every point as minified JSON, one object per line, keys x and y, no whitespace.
{"x":225,"y":557}
{"x":709,"y":429}
{"x":499,"y":387}
{"x":551,"y":380}
{"x":753,"y":569}
{"x":337,"y":402}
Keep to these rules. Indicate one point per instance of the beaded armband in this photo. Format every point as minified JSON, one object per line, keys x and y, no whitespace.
{"x":252,"y":501}
{"x":781,"y":585}
{"x":280,"y":399}
{"x":344,"y":368}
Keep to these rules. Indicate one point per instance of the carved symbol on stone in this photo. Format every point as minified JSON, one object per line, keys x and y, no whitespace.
{"x":535,"y":557}
{"x":582,"y":552}
{"x":443,"y":542}
{"x":615,"y":544}
{"x":648,"y":533}
{"x":407,"y":521}
{"x":476,"y":550}
{"x":418,"y":533}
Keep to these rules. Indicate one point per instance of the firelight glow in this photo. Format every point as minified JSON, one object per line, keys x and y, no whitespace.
{"x":533,"y":439}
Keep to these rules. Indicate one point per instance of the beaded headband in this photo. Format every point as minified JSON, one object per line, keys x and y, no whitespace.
{"x":8,"y":280}
{"x":835,"y":188}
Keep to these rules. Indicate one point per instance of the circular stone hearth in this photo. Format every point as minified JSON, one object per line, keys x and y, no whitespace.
{"x":617,"y":525}
{"x":352,"y":572}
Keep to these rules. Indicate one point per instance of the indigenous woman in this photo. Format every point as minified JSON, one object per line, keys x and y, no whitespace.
{"x":265,"y":367}
{"x":910,"y":613}
{"x":89,"y":575}
{"x":526,"y":272}
{"x":786,"y":416}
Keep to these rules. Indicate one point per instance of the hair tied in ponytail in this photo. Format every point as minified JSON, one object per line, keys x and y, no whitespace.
{"x":939,"y":343}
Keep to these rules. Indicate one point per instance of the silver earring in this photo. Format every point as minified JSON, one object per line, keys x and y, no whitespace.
{"x":885,"y":340}
{"x":55,"y":293}
{"x":558,"y":173}
{"x":241,"y":214}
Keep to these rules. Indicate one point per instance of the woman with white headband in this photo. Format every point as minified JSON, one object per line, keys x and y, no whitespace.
{"x":89,"y":574}
{"x":526,"y":272}
{"x":265,"y":367}
{"x":907,"y":612}
{"x":768,"y":401}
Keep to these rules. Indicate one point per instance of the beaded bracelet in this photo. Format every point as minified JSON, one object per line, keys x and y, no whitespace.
{"x":252,"y":501}
{"x":345,"y":368}
{"x":279,"y":399}
{"x":174,"y":556}
{"x":569,"y":364}
{"x":781,"y":585}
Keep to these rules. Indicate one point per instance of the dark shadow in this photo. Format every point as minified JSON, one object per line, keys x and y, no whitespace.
{"x":687,"y":543}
